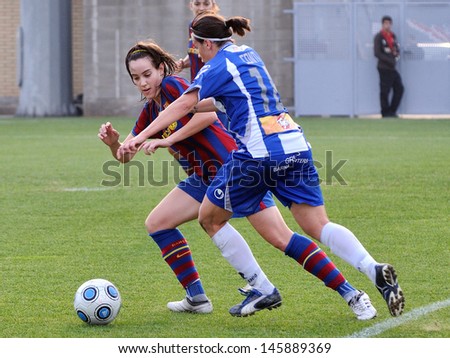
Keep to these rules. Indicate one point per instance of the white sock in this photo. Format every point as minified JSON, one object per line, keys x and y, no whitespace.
{"x":236,"y":251}
{"x":345,"y":245}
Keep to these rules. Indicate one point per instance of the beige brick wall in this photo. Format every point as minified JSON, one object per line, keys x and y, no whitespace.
{"x":124,"y":23}
{"x":9,"y":23}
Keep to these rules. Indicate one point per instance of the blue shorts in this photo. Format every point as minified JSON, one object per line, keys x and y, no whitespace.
{"x":243,"y":181}
{"x":195,"y":187}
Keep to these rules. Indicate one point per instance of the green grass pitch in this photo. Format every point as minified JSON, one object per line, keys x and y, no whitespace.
{"x":63,"y":222}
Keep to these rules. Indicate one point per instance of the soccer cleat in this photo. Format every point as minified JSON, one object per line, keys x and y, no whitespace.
{"x":245,"y":291}
{"x":362,"y":307}
{"x":187,"y":305}
{"x":255,"y":302}
{"x":386,"y":282}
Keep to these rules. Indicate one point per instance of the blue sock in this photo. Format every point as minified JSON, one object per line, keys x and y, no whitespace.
{"x":347,"y":291}
{"x":195,"y":289}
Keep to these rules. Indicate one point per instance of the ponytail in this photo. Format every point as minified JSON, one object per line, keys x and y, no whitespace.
{"x":210,"y":26}
{"x":238,"y":24}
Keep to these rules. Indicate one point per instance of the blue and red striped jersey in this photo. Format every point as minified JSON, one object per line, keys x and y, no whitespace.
{"x":206,"y":150}
{"x":196,"y":62}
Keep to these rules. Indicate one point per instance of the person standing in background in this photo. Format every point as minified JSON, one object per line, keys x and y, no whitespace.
{"x":387,"y":51}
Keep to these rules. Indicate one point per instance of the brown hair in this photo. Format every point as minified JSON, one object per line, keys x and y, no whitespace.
{"x":155,"y":53}
{"x":210,"y":25}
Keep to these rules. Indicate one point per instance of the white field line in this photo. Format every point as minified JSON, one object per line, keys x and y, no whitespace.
{"x":395,"y":322}
{"x":85,"y":189}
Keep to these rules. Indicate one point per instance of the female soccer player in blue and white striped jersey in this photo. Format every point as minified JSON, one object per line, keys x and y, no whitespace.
{"x":273,"y":155}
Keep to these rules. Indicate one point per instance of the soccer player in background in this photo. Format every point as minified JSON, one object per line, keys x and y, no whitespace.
{"x":192,"y":60}
{"x":142,"y":66}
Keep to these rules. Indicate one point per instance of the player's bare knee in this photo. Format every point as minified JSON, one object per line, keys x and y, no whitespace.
{"x":208,"y":224}
{"x":205,"y":222}
{"x":153,"y":225}
{"x":149,"y":226}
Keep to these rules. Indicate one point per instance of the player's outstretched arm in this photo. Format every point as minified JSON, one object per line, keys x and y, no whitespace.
{"x":197,"y":123}
{"x":176,"y":110}
{"x":110,"y":136}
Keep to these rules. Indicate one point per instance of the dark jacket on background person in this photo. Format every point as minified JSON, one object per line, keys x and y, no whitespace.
{"x":387,"y":56}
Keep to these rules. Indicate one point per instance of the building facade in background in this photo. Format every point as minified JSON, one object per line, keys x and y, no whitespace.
{"x":104,"y":30}
{"x":9,"y":25}
{"x":319,"y":52}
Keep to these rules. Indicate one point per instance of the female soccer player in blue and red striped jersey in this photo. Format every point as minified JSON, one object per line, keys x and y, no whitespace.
{"x":192,"y":59}
{"x":204,"y":142}
{"x":273,"y":155}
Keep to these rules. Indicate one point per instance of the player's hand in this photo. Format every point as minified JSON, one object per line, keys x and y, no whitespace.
{"x":129,"y":147}
{"x":108,"y":134}
{"x":179,"y":65}
{"x":151,"y":147}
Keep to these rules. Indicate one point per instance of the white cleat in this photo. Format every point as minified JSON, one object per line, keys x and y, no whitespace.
{"x":362,"y":307}
{"x":187,"y":305}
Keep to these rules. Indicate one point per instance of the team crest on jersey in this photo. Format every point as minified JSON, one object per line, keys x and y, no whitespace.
{"x":277,"y":124}
{"x":170,"y":129}
{"x":219,"y":194}
{"x":285,"y":124}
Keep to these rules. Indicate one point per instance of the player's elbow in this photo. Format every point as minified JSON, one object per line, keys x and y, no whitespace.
{"x":187,"y":102}
{"x":185,"y":107}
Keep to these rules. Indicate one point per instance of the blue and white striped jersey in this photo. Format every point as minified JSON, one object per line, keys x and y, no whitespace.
{"x":260,"y":124}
